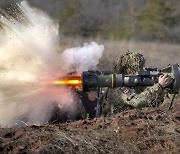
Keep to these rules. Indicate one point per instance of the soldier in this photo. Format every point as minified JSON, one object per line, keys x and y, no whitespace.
{"x":124,"y":98}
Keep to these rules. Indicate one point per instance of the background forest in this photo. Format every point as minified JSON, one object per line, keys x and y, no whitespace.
{"x":147,"y":20}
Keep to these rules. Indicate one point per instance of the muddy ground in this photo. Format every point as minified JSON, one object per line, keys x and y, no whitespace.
{"x":148,"y":130}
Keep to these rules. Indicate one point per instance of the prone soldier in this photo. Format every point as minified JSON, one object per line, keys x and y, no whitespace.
{"x":124,"y":98}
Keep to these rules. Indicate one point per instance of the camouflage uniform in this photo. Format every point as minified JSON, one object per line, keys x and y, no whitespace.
{"x":123,"y":98}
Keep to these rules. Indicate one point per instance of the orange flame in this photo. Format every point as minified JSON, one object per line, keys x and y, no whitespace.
{"x":73,"y":81}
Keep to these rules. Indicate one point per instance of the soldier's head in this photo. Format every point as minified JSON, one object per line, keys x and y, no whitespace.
{"x":129,"y":63}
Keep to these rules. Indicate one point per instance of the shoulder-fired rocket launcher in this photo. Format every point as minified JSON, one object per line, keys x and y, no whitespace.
{"x":95,"y":80}
{"x":147,"y":77}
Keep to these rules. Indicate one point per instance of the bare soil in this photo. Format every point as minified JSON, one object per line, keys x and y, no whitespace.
{"x":150,"y":130}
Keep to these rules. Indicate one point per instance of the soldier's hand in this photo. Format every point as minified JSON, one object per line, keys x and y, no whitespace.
{"x":164,"y":80}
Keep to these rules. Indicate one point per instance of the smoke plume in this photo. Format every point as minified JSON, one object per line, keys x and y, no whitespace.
{"x":28,"y":38}
{"x":83,"y":58}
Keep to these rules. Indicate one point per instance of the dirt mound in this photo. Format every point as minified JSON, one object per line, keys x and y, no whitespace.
{"x":136,"y":131}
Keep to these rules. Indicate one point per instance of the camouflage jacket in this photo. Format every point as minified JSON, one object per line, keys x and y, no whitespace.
{"x":123,"y":98}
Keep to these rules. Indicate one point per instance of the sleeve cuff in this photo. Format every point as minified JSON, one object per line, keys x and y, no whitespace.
{"x":160,"y":86}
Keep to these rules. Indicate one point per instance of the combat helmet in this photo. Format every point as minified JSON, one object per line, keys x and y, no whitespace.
{"x":129,"y":60}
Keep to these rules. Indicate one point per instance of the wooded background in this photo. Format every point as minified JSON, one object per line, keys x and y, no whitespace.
{"x":147,"y":20}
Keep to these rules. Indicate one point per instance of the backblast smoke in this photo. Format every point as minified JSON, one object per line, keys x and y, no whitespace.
{"x":28,"y":38}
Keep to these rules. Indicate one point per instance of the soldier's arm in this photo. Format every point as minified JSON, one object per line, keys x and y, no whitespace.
{"x":151,"y":96}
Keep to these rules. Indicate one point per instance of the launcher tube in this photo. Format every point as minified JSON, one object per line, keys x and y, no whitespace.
{"x":112,"y":80}
{"x":144,"y":78}
{"x":92,"y":80}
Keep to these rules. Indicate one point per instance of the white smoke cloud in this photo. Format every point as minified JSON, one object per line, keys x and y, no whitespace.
{"x":83,"y":58}
{"x":28,"y":57}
